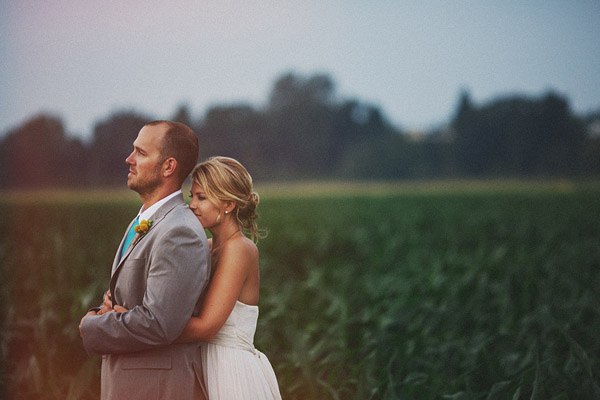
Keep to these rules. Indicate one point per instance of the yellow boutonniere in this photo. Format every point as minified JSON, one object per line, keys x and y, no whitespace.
{"x":142,"y":227}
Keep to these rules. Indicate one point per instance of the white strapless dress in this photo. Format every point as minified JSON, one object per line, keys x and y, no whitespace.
{"x":233,"y":369}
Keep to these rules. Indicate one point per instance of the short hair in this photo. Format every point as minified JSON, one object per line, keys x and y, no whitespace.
{"x":225,"y":179}
{"x":181,"y":143}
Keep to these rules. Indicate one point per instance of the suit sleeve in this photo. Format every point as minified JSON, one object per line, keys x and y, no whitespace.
{"x":178,"y":274}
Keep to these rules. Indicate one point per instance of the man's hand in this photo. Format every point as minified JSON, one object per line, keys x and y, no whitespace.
{"x":106,"y":303}
{"x":108,"y":307}
{"x":84,"y":317}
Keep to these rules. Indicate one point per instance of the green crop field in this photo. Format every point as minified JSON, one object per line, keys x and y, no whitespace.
{"x":423,"y":291}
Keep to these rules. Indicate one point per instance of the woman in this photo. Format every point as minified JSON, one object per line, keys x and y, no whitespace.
{"x":224,"y":201}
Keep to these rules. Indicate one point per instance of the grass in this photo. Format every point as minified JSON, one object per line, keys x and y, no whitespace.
{"x":460,"y":290}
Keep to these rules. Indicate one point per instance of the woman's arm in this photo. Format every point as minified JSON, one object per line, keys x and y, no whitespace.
{"x":235,"y":263}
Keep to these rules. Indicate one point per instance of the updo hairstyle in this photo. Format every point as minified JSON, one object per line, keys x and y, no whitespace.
{"x":225,"y":179}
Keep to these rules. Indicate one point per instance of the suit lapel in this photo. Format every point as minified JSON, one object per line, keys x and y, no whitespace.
{"x":118,"y":257}
{"x":157,"y":217}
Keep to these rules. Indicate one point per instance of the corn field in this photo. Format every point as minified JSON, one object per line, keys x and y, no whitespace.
{"x":456,"y":294}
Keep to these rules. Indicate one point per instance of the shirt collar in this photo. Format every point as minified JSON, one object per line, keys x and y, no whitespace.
{"x":147,"y":214}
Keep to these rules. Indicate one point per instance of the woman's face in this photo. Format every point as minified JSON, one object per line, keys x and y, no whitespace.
{"x":206,"y":212}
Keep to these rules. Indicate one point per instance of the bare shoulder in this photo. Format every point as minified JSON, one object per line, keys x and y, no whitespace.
{"x":242,"y":249}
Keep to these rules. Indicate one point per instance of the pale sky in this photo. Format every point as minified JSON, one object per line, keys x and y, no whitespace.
{"x":82,"y":60}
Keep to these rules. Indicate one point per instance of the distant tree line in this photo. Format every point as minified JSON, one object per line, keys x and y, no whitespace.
{"x":306,"y":132}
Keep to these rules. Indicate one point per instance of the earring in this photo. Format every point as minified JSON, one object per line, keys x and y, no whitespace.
{"x":226,"y":212}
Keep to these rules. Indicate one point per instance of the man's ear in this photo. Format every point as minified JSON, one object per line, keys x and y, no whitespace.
{"x":169,"y":167}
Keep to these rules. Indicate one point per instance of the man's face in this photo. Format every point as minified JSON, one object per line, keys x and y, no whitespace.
{"x":145,"y":160}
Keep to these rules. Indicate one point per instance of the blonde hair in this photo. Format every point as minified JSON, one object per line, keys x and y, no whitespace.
{"x":225,"y":179}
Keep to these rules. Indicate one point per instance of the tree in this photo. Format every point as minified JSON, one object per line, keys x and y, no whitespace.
{"x":561,"y":137}
{"x":112,"y":143}
{"x":310,"y":130}
{"x":300,"y":124}
{"x":517,"y":136}
{"x":237,"y":131}
{"x":38,"y":154}
{"x":590,"y":159}
{"x":182,"y":114}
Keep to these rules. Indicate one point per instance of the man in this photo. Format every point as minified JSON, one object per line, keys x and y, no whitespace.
{"x":159,"y":278}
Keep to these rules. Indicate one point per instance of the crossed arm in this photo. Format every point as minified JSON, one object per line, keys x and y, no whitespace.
{"x":106,"y":306}
{"x":177,"y":275}
{"x":233,"y":275}
{"x":232,"y":280}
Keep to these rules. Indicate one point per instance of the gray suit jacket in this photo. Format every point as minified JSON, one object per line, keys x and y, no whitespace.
{"x":160,"y":279}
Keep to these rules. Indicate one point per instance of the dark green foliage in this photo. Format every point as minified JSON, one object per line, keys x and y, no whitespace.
{"x":456,"y":296}
{"x":39,"y":154}
{"x":465,"y":296}
{"x":518,"y":136}
{"x":113,"y":142}
{"x":308,"y":131}
{"x":55,"y":263}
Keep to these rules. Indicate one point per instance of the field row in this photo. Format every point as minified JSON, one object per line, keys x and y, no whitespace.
{"x":452,"y":291}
